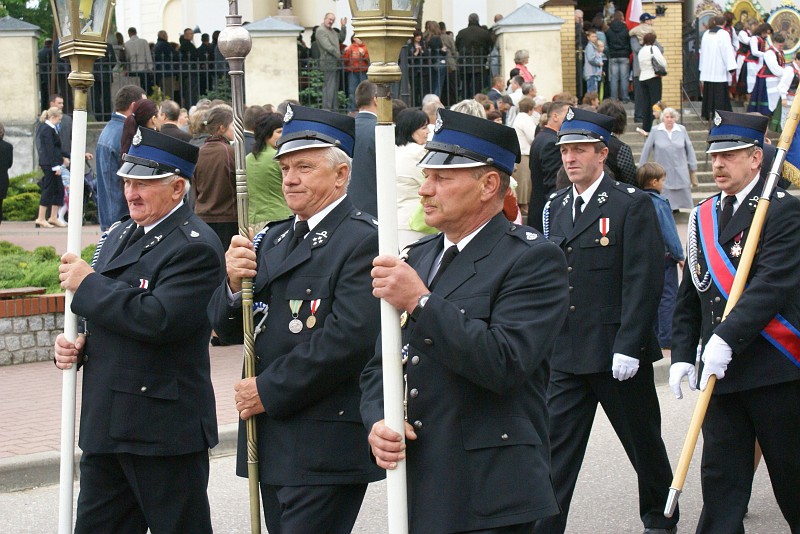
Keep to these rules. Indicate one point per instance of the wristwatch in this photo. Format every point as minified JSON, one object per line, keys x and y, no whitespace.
{"x":420,"y":304}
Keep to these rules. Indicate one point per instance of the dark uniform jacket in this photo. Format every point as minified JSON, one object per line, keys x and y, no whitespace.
{"x":311,"y":432}
{"x":614,"y":289}
{"x":544,"y":161}
{"x":773,"y":287}
{"x":363,"y":188}
{"x":474,"y":40}
{"x":476,"y":377}
{"x":49,"y":146}
{"x":146,"y":372}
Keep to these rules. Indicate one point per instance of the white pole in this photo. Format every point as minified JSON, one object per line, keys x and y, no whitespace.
{"x":74,"y":229}
{"x":391,"y":340}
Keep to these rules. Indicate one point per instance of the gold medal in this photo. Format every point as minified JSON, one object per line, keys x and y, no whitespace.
{"x":311,"y":321}
{"x":604,"y":241}
{"x":403,"y":319}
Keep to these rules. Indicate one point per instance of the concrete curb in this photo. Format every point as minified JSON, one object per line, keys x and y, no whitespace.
{"x":43,"y":468}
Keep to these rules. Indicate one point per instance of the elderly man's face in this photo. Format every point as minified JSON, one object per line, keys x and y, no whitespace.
{"x":734,"y":169}
{"x":150,"y":200}
{"x":582,"y":163}
{"x":329,"y":20}
{"x":310,"y":182}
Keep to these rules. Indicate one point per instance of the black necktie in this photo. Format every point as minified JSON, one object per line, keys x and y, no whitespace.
{"x":300,"y":231}
{"x":726,"y":213}
{"x":447,"y":258}
{"x":578,"y":210}
{"x":135,"y":236}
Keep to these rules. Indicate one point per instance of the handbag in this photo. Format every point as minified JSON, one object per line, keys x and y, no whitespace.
{"x":658,"y":68}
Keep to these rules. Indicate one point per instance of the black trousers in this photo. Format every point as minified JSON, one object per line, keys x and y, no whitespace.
{"x":312,"y":509}
{"x":633,"y":410}
{"x":732,"y":424}
{"x":128,"y":493}
{"x":651,"y":94}
{"x":716,"y":95}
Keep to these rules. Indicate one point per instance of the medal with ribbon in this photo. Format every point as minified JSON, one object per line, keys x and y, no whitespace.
{"x":295,"y":325}
{"x":312,"y":320}
{"x":736,"y":248}
{"x":605,"y":224}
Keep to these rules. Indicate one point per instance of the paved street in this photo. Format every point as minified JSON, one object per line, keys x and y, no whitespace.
{"x":605,"y":500}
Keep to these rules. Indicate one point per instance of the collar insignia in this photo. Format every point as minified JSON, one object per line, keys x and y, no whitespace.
{"x":194,"y":233}
{"x":319,"y":238}
{"x":631,"y":190}
{"x":280,"y":237}
{"x":565,"y":201}
{"x":601,"y":198}
{"x":780,"y":194}
{"x":530,"y":236}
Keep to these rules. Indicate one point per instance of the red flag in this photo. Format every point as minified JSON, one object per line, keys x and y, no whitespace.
{"x":633,"y":13}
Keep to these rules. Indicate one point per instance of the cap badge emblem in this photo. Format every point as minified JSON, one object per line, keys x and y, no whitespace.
{"x":439,"y":124}
{"x":570,"y":114}
{"x":717,"y":119}
{"x":137,"y":138}
{"x":289,"y":113}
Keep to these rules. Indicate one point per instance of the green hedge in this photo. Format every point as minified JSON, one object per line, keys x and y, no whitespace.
{"x":21,"y":268}
{"x":22,"y":202}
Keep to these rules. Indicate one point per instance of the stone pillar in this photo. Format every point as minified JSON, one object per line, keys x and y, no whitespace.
{"x":669,"y":32}
{"x":532,"y":29}
{"x":19,"y":85}
{"x":270,"y":73}
{"x":565,"y":10}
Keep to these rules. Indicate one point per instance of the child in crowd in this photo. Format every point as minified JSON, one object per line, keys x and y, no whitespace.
{"x":650,"y":177}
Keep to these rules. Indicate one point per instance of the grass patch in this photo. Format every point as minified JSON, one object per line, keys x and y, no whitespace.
{"x":22,"y":268}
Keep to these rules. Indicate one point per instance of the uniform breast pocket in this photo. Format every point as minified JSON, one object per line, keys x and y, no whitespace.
{"x":474,"y":307}
{"x":310,"y":296}
{"x":143,"y":406}
{"x":600,"y":250}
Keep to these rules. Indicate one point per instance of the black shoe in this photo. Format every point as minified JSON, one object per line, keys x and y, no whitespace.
{"x":650,"y":530}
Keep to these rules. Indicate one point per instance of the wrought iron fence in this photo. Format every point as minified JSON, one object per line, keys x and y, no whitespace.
{"x":452,"y":80}
{"x":185,"y":82}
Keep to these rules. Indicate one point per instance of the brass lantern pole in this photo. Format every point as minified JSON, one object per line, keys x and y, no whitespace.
{"x":385,"y":26}
{"x":82,"y":27}
{"x":234,"y":44}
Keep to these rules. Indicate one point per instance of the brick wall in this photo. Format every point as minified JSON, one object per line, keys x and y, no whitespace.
{"x":29,"y":327}
{"x":669,"y":33}
{"x":566,"y":11}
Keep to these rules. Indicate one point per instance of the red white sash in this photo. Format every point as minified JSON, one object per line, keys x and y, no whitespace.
{"x":783,"y":336}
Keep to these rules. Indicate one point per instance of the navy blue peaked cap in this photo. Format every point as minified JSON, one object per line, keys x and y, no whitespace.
{"x":584,"y":126}
{"x":461,"y":140}
{"x":734,"y":131}
{"x":315,"y":128}
{"x":153,"y":155}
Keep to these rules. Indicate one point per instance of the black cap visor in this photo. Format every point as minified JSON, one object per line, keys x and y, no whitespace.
{"x":144,"y":169}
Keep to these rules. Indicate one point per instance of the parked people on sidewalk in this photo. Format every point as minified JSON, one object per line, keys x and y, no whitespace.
{"x":313,"y":271}
{"x":148,"y":414}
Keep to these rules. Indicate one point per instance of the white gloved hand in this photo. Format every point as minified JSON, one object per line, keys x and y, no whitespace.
{"x":676,"y":373}
{"x":624,"y":367}
{"x":716,"y":357}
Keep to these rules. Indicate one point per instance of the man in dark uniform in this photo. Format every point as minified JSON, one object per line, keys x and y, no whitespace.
{"x":148,"y":414}
{"x":606,"y":349}
{"x":755,"y":351}
{"x":477,"y":340}
{"x":316,"y":334}
{"x":545,"y":162}
{"x":473,"y":44}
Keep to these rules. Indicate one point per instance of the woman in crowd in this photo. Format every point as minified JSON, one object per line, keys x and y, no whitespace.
{"x":6,"y":161}
{"x":671,"y":147}
{"x":521,"y":58}
{"x":649,"y":82}
{"x":144,"y":115}
{"x":51,"y":159}
{"x":264,"y":178}
{"x":215,"y":176}
{"x":417,"y":62}
{"x":525,"y":126}
{"x":620,"y":157}
{"x":438,"y":56}
{"x":410,"y":136}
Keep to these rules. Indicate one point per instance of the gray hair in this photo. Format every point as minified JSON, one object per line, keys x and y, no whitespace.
{"x":470,"y":107}
{"x":672,"y":112}
{"x":521,"y":55}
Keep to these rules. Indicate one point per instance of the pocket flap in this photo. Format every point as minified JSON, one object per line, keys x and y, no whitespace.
{"x":146,"y":384}
{"x":482,"y":433}
{"x":474,"y":307}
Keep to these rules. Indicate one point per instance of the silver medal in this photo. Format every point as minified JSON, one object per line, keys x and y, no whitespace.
{"x":295,"y":326}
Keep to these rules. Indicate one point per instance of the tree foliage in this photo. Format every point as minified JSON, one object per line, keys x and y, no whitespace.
{"x":36,"y":12}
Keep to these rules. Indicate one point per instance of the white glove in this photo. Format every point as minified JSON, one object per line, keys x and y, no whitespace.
{"x":624,"y":367}
{"x":676,"y":373}
{"x":716,"y":356}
